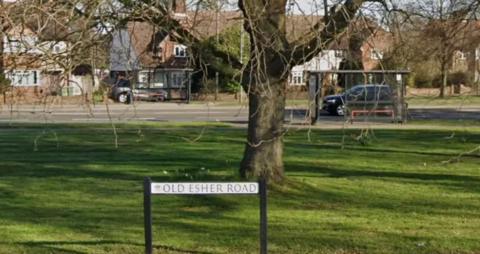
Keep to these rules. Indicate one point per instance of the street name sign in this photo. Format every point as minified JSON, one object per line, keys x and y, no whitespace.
{"x":204,"y":188}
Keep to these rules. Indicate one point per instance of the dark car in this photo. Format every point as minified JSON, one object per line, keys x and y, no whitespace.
{"x":359,"y":95}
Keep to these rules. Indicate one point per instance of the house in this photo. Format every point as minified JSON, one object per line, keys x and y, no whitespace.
{"x":466,"y":55}
{"x":374,"y":41}
{"x":151,"y":57}
{"x":37,"y":58}
{"x":330,"y":59}
{"x":361,"y":46}
{"x":24,"y":65}
{"x":206,"y":24}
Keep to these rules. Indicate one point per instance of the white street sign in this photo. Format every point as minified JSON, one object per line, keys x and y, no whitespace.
{"x":205,"y":188}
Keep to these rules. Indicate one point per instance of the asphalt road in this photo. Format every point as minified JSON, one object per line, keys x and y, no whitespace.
{"x":188,"y":113}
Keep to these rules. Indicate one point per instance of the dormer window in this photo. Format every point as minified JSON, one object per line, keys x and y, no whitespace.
{"x":180,"y":50}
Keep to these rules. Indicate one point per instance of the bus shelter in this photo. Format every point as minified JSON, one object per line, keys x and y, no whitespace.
{"x":357,"y":95}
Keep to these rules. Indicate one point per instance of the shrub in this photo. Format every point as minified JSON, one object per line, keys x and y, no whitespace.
{"x":455,"y":78}
{"x":232,"y":87}
{"x":422,"y":80}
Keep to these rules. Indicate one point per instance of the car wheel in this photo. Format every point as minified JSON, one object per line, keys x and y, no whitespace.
{"x":122,"y":98}
{"x":340,"y":110}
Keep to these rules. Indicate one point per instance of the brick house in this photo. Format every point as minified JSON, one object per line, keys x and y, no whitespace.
{"x":150,"y":57}
{"x":364,"y":42}
{"x":154,"y":59}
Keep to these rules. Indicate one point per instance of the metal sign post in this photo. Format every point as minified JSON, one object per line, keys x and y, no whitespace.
{"x":204,"y":188}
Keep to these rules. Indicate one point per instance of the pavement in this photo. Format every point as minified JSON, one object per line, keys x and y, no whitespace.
{"x":179,"y":112}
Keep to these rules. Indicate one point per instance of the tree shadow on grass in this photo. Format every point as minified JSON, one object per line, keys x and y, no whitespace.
{"x":335,"y":148}
{"x":303,"y":196}
{"x":362,"y":172}
{"x":53,"y":246}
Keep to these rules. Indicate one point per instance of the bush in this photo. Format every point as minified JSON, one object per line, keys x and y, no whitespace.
{"x":455,"y":78}
{"x":422,"y":81}
{"x":232,"y":87}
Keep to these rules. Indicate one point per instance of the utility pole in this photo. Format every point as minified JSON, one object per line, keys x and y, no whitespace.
{"x":325,"y":10}
{"x":242,"y":32}
{"x":217,"y":42}
{"x":2,"y":67}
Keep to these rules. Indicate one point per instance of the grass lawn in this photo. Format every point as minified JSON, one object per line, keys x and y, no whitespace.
{"x":448,"y":101}
{"x":66,"y":189}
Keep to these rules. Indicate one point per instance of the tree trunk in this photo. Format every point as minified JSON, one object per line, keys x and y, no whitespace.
{"x":264,"y":148}
{"x":444,"y":83}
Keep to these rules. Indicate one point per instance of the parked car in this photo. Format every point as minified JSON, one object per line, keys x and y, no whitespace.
{"x":122,"y":91}
{"x":359,"y":95}
{"x":149,"y":94}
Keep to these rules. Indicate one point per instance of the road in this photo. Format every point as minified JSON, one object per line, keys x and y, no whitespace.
{"x":188,"y":113}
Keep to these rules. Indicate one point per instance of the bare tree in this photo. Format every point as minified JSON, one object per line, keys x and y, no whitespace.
{"x":442,"y":26}
{"x":264,"y":76}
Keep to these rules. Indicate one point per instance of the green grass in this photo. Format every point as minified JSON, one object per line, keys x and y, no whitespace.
{"x":448,"y":101}
{"x":67,"y":189}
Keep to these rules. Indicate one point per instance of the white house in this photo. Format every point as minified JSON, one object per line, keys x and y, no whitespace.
{"x":34,"y":67}
{"x":326,"y":60}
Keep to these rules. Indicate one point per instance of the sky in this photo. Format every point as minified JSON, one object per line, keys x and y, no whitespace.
{"x":299,"y":6}
{"x":308,"y":6}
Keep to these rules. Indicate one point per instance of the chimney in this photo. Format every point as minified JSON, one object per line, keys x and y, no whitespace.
{"x":179,"y":6}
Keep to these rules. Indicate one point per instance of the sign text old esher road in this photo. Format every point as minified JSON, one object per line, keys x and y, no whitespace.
{"x":204,"y":188}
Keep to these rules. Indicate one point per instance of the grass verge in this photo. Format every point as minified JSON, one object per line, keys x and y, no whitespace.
{"x":67,"y":189}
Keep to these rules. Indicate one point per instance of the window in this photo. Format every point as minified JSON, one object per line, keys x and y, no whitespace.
{"x":297,"y":78}
{"x":339,"y":53}
{"x":13,"y":46}
{"x":151,"y":79}
{"x":158,"y":79}
{"x":24,"y":78}
{"x":356,"y":93}
{"x":460,"y":55}
{"x":177,"y":80}
{"x":180,"y":51}
{"x":376,"y":54}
